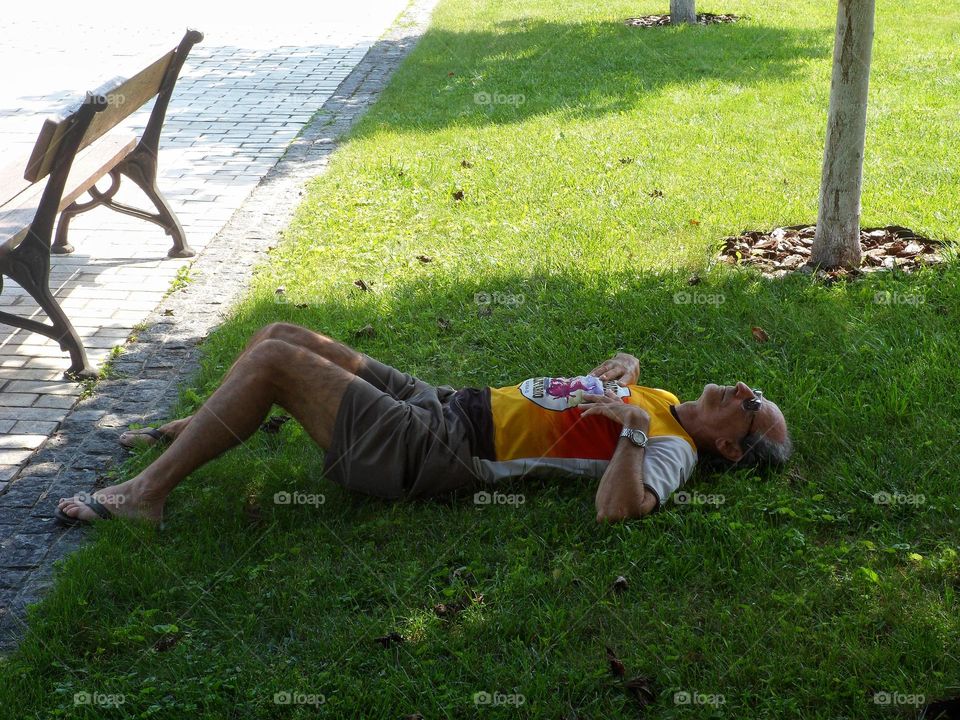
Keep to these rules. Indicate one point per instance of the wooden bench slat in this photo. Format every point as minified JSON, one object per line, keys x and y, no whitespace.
{"x":95,"y":162}
{"x":89,"y":166}
{"x":123,"y":98}
{"x":12,"y":182}
{"x":14,"y":224}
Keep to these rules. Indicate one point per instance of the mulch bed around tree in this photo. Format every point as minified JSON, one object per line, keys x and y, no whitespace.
{"x":787,"y":249}
{"x":647,"y":21}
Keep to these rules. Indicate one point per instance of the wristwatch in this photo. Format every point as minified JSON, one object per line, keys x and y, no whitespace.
{"x":637,"y":437}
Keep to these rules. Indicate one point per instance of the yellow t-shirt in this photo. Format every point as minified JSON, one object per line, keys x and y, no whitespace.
{"x":540,"y":417}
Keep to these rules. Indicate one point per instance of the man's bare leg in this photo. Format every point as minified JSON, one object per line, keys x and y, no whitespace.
{"x":317,"y":343}
{"x":305,"y":384}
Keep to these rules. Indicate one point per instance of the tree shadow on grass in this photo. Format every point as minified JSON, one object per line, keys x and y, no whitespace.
{"x":523,"y":69}
{"x":873,"y":347}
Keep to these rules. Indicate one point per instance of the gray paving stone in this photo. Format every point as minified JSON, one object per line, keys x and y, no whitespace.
{"x":14,"y":457}
{"x":17,"y":399}
{"x":42,"y":468}
{"x":12,"y":580}
{"x":22,"y":552}
{"x":34,"y":426}
{"x":50,"y":387}
{"x":21,"y":442}
{"x":24,"y":493}
{"x":31,"y":413}
{"x":62,"y":402}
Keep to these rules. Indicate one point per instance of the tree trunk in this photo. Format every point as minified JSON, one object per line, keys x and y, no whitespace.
{"x":837,"y":242}
{"x":682,"y":11}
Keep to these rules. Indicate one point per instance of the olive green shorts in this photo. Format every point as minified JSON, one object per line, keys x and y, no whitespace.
{"x":398,"y":437}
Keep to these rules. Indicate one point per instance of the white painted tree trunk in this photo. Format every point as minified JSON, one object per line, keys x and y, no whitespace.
{"x":837,"y":242}
{"x":683,"y":11}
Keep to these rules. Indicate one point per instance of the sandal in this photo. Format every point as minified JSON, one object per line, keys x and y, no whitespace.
{"x":91,"y":503}
{"x":142,"y":438}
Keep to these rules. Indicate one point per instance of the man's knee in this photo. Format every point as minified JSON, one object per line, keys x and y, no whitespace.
{"x":283,"y":363}
{"x":280,"y":331}
{"x":268,"y":355}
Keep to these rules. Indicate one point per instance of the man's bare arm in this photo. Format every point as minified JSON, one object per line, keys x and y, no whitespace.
{"x":621,"y":494}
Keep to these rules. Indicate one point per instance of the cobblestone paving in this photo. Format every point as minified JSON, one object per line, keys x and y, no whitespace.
{"x":220,"y":138}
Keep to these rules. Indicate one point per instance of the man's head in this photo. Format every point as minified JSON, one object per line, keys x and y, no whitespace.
{"x":735,"y":426}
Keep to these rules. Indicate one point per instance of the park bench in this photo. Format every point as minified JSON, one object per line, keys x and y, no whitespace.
{"x":72,"y":153}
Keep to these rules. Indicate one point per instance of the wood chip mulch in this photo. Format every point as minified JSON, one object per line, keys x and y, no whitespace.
{"x":787,"y":249}
{"x":647,"y":21}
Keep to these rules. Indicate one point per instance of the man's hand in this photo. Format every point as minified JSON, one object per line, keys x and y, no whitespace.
{"x":622,"y":367}
{"x":611,"y":406}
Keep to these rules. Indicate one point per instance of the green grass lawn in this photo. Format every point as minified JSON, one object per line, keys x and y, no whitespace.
{"x":793,"y":595}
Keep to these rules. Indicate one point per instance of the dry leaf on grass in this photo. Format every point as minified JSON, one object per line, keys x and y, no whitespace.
{"x":393,"y":638}
{"x":617,"y":668}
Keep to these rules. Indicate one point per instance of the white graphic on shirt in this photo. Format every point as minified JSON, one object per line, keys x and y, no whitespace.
{"x":558,"y":393}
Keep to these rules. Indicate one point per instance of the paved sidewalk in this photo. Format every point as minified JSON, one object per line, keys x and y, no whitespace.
{"x":163,"y":354}
{"x":244,"y":94}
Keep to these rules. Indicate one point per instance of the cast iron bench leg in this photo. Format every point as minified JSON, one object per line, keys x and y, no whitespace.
{"x":142,"y":171}
{"x":29,"y":266}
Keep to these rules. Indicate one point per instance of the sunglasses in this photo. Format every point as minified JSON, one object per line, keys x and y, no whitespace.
{"x":752,"y":406}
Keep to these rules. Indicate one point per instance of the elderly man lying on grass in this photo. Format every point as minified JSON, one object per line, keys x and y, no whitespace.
{"x":388,"y":434}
